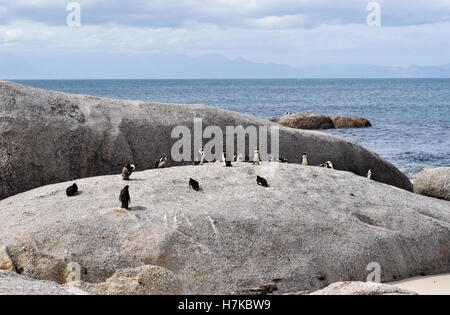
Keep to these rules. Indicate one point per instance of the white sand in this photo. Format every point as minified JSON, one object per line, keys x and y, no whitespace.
{"x":433,"y":285}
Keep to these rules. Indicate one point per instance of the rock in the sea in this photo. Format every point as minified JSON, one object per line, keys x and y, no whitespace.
{"x":49,"y":137}
{"x":433,"y":183}
{"x":13,"y":284}
{"x":350,"y":122}
{"x":316,"y":122}
{"x":362,"y":288}
{"x":305,"y":121}
{"x":5,"y":261}
{"x":311,"y":227}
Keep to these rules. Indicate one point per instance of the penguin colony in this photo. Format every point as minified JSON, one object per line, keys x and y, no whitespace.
{"x":128,"y":169}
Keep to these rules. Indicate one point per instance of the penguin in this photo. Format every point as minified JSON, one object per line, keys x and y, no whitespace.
{"x":161,"y":162}
{"x":226,"y":163}
{"x":194,"y":184}
{"x":202,"y":156}
{"x":224,"y":159}
{"x":304,"y":159}
{"x":127,"y":170}
{"x":327,"y":164}
{"x":256,"y":158}
{"x":240,"y":158}
{"x":261,"y":181}
{"x":124,"y":197}
{"x":72,"y":190}
{"x":282,"y":160}
{"x":369,"y":174}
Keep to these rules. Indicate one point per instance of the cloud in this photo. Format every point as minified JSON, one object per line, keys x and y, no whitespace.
{"x":226,"y":13}
{"x":293,"y":32}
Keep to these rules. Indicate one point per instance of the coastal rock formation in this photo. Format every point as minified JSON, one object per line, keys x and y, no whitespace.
{"x":350,"y":122}
{"x":317,"y":122}
{"x":305,"y":121}
{"x":5,"y":261}
{"x":144,"y":280}
{"x":362,"y":288}
{"x":13,"y":284}
{"x":49,"y":137}
{"x":433,"y":183}
{"x":311,"y":227}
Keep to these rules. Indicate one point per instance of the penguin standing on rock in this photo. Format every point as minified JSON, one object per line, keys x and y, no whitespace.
{"x":256,"y":158}
{"x":327,"y":164}
{"x":202,"y":156}
{"x":72,"y":190}
{"x":261,"y":181}
{"x":127,"y":170}
{"x":369,"y":174}
{"x":161,"y":162}
{"x":124,"y":197}
{"x":226,"y":163}
{"x":194,"y":184}
{"x":304,"y":159}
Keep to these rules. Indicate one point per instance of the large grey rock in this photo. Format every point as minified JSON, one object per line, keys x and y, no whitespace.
{"x":48,"y":137}
{"x":310,"y":228}
{"x":433,"y":183}
{"x":316,"y":122}
{"x":13,"y":284}
{"x":305,"y":121}
{"x":362,"y":288}
{"x":144,"y":280}
{"x":6,"y":262}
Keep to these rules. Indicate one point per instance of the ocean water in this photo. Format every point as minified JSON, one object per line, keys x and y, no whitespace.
{"x":411,"y":117}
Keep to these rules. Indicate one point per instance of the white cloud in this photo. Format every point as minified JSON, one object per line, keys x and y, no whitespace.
{"x":226,"y":13}
{"x":296,"y":32}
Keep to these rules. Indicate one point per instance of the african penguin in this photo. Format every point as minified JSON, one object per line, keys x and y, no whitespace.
{"x":261,"y":181}
{"x":161,"y":162}
{"x":194,"y":184}
{"x":369,"y":174}
{"x":124,"y":197}
{"x":72,"y":190}
{"x":304,"y":159}
{"x":224,"y":159}
{"x":202,"y":156}
{"x":327,"y":164}
{"x":256,"y":157}
{"x":226,"y":163}
{"x":127,"y":170}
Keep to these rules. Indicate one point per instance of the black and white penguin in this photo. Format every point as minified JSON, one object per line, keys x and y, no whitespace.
{"x":304,"y":159}
{"x":127,"y":170}
{"x":282,"y":160}
{"x":161,"y":162}
{"x":124,"y":197}
{"x":256,"y":157}
{"x":261,"y":181}
{"x":72,"y":190}
{"x":369,"y":174}
{"x":327,"y":164}
{"x":202,"y":156}
{"x":225,"y":161}
{"x":194,"y":184}
{"x":224,"y":158}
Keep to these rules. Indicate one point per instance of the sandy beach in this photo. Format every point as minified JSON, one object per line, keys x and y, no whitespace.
{"x":432,"y":285}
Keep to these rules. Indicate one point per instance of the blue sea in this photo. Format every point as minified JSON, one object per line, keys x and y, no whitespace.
{"x":411,"y":117}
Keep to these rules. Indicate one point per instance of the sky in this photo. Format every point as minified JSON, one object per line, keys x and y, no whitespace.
{"x":288,"y":32}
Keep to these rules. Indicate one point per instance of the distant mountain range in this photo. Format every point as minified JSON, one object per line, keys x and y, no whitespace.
{"x":159,"y":66}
